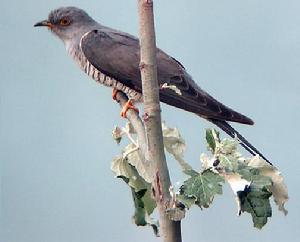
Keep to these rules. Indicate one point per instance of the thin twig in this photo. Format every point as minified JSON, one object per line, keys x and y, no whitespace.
{"x":138,"y":125}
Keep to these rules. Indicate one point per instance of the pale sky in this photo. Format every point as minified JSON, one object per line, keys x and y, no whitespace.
{"x":56,"y":123}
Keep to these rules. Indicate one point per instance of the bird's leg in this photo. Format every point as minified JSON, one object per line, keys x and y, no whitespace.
{"x":114,"y":93}
{"x":128,"y":105}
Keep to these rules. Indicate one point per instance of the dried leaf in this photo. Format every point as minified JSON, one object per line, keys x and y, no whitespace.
{"x":117,"y":134}
{"x":175,"y":145}
{"x":145,"y":169}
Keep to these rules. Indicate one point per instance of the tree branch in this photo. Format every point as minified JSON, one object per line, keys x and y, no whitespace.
{"x":149,"y":132}
{"x":171,"y":230}
{"x":139,"y":128}
{"x":135,"y":121}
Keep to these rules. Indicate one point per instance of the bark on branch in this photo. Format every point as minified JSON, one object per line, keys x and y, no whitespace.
{"x":171,"y":230}
{"x":149,"y":132}
{"x":135,"y":121}
{"x":139,"y":128}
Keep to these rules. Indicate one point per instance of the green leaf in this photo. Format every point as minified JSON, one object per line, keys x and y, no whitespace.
{"x":253,"y":175}
{"x":212,"y":138}
{"x":278,"y":187}
{"x":129,"y":174}
{"x":186,"y":201}
{"x":139,"y":213}
{"x":141,"y":192}
{"x":228,"y":163}
{"x":123,"y":169}
{"x":202,"y":187}
{"x":140,"y":217}
{"x":255,"y":200}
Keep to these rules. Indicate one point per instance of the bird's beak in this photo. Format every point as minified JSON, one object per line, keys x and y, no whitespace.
{"x":44,"y":23}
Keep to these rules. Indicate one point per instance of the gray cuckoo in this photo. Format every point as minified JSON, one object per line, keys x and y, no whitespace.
{"x":111,"y":57}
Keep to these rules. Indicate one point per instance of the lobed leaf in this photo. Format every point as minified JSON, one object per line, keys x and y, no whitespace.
{"x":202,"y":187}
{"x":255,"y":200}
{"x":278,"y":187}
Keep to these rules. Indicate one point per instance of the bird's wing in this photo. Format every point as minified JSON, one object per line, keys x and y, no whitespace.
{"x":117,"y":55}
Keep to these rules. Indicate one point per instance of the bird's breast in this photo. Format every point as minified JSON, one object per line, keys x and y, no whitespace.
{"x":100,"y":77}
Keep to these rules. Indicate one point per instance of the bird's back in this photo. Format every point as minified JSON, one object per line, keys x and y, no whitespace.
{"x":116,"y":56}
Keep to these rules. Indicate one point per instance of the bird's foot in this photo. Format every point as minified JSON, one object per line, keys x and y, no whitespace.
{"x":128,"y":105}
{"x":114,"y":94}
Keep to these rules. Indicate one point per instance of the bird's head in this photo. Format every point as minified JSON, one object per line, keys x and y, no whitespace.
{"x":67,"y":22}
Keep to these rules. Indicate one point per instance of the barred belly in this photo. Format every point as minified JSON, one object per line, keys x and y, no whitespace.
{"x":98,"y":76}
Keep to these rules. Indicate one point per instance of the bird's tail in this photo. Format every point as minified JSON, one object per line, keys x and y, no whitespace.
{"x":235,"y":134}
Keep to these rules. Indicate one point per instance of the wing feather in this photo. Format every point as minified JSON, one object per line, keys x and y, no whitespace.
{"x":117,"y":55}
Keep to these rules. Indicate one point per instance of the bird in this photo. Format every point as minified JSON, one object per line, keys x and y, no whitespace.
{"x":111,"y":57}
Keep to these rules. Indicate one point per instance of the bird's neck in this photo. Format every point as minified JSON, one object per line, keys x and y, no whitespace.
{"x":73,"y":41}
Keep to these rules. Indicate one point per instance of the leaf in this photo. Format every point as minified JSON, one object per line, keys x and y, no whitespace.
{"x":203,"y":187}
{"x":129,"y":174}
{"x":141,"y":192}
{"x":253,"y":181}
{"x":124,"y":170}
{"x":186,"y":201}
{"x":255,"y":201}
{"x":212,"y":138}
{"x":229,"y":148}
{"x":145,"y":169}
{"x":117,"y":134}
{"x":254,"y":176}
{"x":236,"y":183}
{"x":141,"y":215}
{"x":175,"y":145}
{"x":228,"y":163}
{"x":207,"y":162}
{"x":278,"y":187}
{"x":251,"y":189}
{"x":224,"y":151}
{"x":173,"y":141}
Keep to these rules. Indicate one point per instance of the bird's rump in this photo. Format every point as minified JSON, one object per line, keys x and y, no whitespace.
{"x":117,"y":54}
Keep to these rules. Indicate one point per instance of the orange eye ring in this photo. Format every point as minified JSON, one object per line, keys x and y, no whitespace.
{"x":64,"y":22}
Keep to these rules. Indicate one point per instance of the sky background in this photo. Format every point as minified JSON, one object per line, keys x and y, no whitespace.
{"x":56,"y":123}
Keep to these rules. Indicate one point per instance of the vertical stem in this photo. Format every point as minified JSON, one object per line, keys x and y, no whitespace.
{"x":171,"y":230}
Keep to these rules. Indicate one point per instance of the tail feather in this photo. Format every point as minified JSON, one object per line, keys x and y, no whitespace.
{"x":233,"y":133}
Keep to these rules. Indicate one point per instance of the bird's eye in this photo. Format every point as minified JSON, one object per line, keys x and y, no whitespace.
{"x":64,"y":22}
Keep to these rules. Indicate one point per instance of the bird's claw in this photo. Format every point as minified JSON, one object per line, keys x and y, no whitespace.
{"x":128,"y":105}
{"x":114,"y":94}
